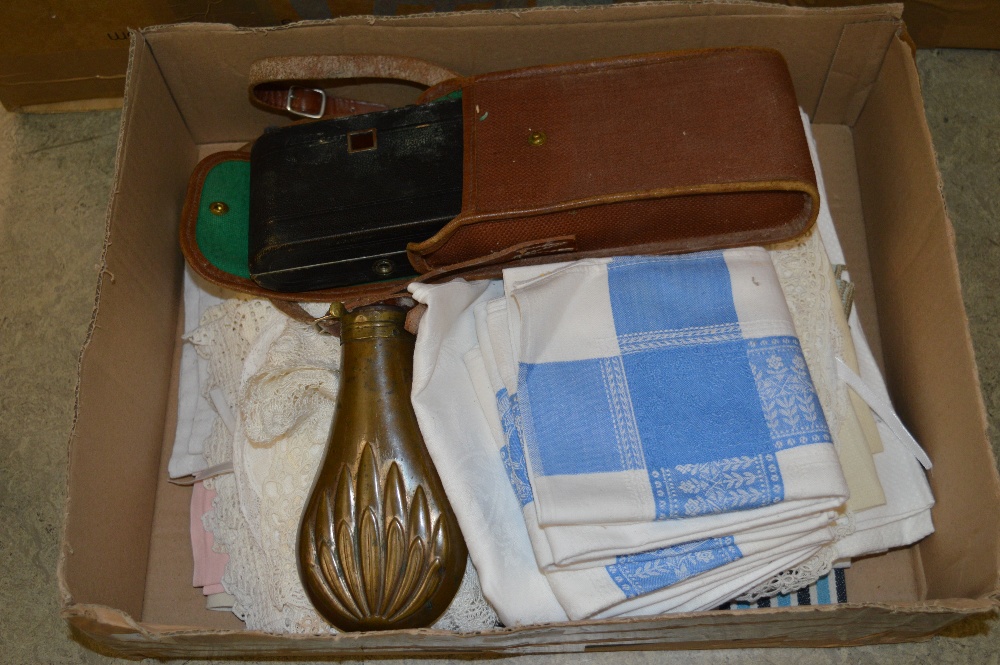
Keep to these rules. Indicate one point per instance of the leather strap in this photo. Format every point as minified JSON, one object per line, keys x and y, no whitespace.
{"x":276,"y":83}
{"x":518,"y":253}
{"x":305,"y":102}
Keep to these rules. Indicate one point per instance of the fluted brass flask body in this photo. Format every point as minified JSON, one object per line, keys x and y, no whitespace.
{"x":379,"y":546}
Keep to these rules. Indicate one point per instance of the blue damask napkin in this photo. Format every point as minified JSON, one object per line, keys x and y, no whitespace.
{"x":663,"y":388}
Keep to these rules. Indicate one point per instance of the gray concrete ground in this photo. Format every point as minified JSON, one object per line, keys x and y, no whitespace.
{"x":55,"y":175}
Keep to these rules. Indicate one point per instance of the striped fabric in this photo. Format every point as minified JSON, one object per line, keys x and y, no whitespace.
{"x":830,"y":589}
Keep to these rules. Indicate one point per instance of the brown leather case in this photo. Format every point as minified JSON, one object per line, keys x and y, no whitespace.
{"x":660,"y":153}
{"x":647,"y":154}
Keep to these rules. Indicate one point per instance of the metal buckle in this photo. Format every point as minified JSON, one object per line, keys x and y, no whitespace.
{"x":291,"y":96}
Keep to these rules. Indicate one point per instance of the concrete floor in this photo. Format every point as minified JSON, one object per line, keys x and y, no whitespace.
{"x":55,"y":175}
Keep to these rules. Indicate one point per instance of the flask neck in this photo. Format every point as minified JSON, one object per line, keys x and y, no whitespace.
{"x":373,"y":322}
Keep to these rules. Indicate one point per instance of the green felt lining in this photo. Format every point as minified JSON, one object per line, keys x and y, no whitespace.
{"x":224,"y":239}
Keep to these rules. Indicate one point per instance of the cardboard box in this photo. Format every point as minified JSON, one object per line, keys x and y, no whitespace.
{"x":62,"y":51}
{"x":125,"y":570}
{"x":938,"y":23}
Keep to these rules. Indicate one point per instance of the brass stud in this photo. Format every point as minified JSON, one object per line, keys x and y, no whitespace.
{"x":383,"y":267}
{"x":536,"y":137}
{"x":218,"y":208}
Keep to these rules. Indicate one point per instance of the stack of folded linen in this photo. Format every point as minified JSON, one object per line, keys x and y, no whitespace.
{"x":657,"y":423}
{"x":649,"y":434}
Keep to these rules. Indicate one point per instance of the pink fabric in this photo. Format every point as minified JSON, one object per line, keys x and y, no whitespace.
{"x":209,"y":566}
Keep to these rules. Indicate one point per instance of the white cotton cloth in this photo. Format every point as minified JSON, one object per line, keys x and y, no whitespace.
{"x":460,"y":444}
{"x":195,"y":411}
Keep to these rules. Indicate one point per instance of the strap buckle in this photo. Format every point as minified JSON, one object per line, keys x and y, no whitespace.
{"x":301,"y":95}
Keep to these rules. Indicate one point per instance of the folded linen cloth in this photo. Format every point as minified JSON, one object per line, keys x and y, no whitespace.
{"x":461,"y":444}
{"x":703,"y":570}
{"x":195,"y":412}
{"x":586,"y":545}
{"x":905,"y":517}
{"x":674,"y":576}
{"x":637,"y":406}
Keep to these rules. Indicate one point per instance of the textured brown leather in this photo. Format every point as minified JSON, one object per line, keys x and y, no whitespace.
{"x":333,"y":67}
{"x":659,"y":153}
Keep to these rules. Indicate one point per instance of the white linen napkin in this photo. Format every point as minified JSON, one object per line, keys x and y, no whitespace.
{"x":460,"y":444}
{"x":195,"y":412}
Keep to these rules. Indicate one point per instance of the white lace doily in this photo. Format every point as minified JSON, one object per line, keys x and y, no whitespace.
{"x":284,"y":377}
{"x":807,"y":281}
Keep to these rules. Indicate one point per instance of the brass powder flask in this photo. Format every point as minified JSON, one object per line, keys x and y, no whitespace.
{"x":379,"y":546}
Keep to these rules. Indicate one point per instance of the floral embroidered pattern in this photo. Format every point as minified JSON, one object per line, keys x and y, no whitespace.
{"x":717,"y":486}
{"x":788,"y":399}
{"x":636,"y":574}
{"x":513,"y":453}
{"x":629,"y":445}
{"x":693,"y":336}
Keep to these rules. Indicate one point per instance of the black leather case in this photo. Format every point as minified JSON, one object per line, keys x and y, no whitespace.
{"x":334,"y":203}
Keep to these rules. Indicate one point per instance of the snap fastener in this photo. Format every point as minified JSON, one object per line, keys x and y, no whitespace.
{"x":383,"y":267}
{"x":536,"y":137}
{"x":218,"y":208}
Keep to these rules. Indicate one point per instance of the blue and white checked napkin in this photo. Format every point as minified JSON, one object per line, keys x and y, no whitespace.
{"x":662,"y":388}
{"x":664,"y":576}
{"x":491,"y":512}
{"x":586,"y":545}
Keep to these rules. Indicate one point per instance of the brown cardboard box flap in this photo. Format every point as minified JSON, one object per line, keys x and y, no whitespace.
{"x":776,"y":627}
